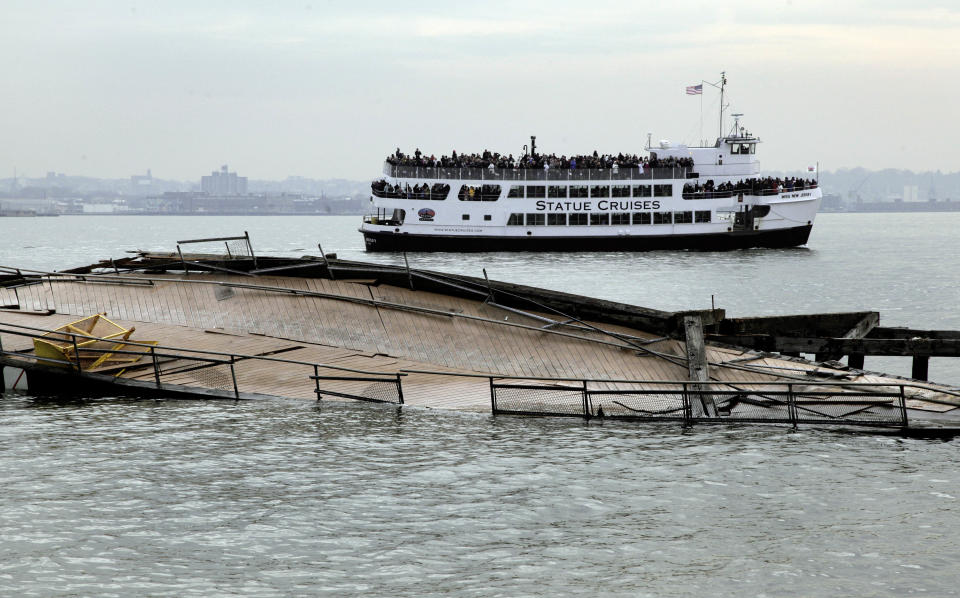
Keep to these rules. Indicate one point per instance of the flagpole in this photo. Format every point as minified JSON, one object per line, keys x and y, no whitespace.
{"x":701,"y":112}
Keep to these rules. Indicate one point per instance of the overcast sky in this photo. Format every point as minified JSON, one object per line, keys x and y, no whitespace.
{"x":327,"y":89}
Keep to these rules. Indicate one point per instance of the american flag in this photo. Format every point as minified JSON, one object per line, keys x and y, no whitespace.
{"x":694,"y":90}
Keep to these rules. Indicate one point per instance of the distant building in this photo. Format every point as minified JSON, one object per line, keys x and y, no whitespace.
{"x":911,"y":193}
{"x":141,"y":184}
{"x":224,"y":183}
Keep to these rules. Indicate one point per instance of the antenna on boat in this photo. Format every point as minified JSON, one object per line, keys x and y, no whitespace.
{"x":736,"y":122}
{"x":533,"y":145}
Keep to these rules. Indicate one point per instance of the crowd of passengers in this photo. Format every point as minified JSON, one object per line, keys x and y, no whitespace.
{"x":751,"y":186}
{"x":495,"y":160}
{"x":382,"y":188}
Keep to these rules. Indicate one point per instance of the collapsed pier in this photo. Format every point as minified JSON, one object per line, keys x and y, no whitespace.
{"x":234,"y":325}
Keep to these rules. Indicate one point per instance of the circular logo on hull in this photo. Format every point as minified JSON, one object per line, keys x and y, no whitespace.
{"x":426,"y":214}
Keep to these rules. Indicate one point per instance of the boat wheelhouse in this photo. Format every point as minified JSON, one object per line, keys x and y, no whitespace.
{"x":679,"y":197}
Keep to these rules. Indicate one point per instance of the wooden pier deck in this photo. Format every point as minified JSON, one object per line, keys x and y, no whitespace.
{"x":370,"y":325}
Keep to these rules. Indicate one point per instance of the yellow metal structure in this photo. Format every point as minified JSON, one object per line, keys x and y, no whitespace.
{"x":90,"y":353}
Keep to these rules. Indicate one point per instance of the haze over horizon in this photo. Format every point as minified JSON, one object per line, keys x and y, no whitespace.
{"x":326,"y":90}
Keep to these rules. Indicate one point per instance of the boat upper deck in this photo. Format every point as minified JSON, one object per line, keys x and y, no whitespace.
{"x":536,"y":174}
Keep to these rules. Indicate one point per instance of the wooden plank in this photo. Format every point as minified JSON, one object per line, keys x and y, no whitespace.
{"x":697,"y":366}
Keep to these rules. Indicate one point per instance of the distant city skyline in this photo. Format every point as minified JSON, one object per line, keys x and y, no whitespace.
{"x":326,"y":90}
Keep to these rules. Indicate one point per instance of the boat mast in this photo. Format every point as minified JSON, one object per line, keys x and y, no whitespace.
{"x":723,"y":82}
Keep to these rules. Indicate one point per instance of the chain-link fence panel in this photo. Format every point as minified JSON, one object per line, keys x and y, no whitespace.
{"x":361,"y":388}
{"x":639,"y":404}
{"x":537,"y":400}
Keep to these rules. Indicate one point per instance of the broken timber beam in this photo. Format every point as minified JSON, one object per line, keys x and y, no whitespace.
{"x":697,"y":365}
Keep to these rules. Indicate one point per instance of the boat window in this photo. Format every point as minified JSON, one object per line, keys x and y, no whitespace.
{"x":579,"y":219}
{"x":599,"y":219}
{"x":469,"y":193}
{"x":663,"y":190}
{"x":515,"y":220}
{"x":600,"y":191}
{"x":641,"y":191}
{"x":489,"y":192}
{"x":556,"y":219}
{"x":424,"y":190}
{"x":735,"y":148}
{"x":399,"y":215}
{"x":487,"y":217}
{"x":465,"y":217}
{"x":620,"y":218}
{"x":702,"y":216}
{"x":662,"y":218}
{"x":578,"y":190}
{"x":481,"y":193}
{"x":641,"y":217}
{"x":515,"y":191}
{"x":620,"y":191}
{"x":753,"y":148}
{"x":556,"y":191}
{"x":536,"y":191}
{"x":439,"y":191}
{"x":536,"y":219}
{"x":683,"y":217}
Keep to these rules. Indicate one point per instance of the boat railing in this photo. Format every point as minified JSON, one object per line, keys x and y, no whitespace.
{"x":536,"y":174}
{"x":756,"y":193}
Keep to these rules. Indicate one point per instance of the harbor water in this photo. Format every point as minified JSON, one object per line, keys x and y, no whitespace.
{"x":116,"y":496}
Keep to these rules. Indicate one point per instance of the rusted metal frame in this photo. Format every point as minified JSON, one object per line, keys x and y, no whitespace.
{"x":325,"y":262}
{"x":587,"y":411}
{"x":395,"y":379}
{"x":250,"y":247}
{"x":493,"y":396}
{"x":233,"y":375}
{"x":156,"y":366}
{"x":903,"y":407}
{"x":245,"y":237}
{"x":409,"y":275}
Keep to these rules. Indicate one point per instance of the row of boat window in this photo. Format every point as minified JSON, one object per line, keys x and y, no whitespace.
{"x":605,"y":218}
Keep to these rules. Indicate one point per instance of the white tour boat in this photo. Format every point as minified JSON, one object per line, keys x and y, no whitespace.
{"x":677,"y":197}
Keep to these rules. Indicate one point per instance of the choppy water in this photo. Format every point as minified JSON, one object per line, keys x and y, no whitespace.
{"x":126,"y":497}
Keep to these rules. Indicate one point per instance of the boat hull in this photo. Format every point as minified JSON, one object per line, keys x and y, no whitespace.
{"x":726,"y":241}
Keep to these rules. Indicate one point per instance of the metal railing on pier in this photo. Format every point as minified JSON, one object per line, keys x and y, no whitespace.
{"x":188,"y":370}
{"x":793,"y":403}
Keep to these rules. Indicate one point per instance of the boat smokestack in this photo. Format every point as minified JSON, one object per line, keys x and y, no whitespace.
{"x":533,"y":145}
